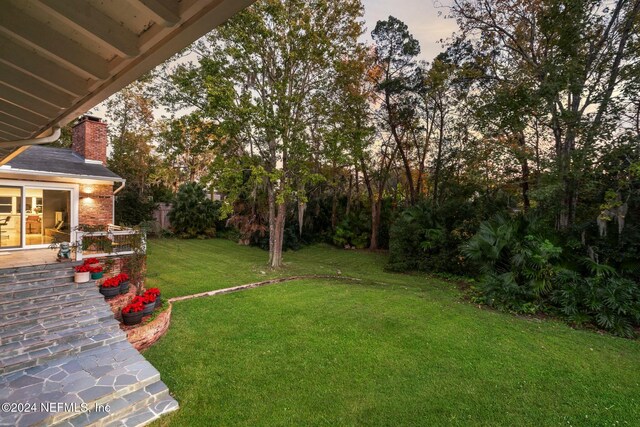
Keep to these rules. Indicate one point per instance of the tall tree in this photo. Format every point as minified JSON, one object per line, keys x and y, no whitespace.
{"x":274,"y":61}
{"x":573,"y":54}
{"x":397,"y":82}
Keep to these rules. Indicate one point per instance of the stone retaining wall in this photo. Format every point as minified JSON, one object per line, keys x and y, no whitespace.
{"x":145,"y":335}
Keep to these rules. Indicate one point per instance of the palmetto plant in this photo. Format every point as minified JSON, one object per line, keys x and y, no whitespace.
{"x":604,"y":298}
{"x":517,"y":265}
{"x":193,"y":214}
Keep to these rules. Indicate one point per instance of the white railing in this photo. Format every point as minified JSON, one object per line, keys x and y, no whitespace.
{"x":115,"y":241}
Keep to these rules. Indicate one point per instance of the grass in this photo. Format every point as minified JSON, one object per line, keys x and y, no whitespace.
{"x":392,"y":350}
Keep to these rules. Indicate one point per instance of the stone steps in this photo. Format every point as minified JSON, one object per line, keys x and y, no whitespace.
{"x":58,"y":293}
{"x":60,"y":344}
{"x":48,"y":307}
{"x":65,"y":276}
{"x":146,"y":415}
{"x":72,"y":310}
{"x":28,"y":290}
{"x":52,"y":339}
{"x":27,"y":360}
{"x":64,"y":266}
{"x":54,"y":324}
{"x":10,"y":275}
{"x":124,"y":407}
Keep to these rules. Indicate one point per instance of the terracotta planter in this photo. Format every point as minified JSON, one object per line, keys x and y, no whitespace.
{"x":96,"y":276}
{"x":132,"y":318}
{"x":110,"y":292}
{"x":124,"y":287}
{"x":148,"y":308}
{"x":81,"y":277}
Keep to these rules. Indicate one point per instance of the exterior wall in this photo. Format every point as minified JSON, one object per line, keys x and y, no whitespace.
{"x":90,"y":139}
{"x":96,"y":204}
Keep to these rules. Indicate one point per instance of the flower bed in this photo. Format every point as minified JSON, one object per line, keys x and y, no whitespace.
{"x":151,"y":329}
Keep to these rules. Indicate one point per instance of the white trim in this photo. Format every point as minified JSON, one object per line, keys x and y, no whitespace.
{"x":23,"y":185}
{"x":44,"y":174}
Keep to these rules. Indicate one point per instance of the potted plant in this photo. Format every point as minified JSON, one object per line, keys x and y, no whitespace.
{"x":92,"y":262}
{"x":97,"y":273}
{"x":82,"y":274}
{"x":124,"y":282}
{"x":155,"y":292}
{"x":149,"y":302}
{"x":132,"y":313}
{"x":110,"y":288}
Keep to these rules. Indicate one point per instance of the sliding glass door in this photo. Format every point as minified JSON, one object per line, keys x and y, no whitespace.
{"x":47,"y":216}
{"x":35,"y":215}
{"x":10,"y":217}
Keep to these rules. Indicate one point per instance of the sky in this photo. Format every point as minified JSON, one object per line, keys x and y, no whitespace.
{"x":425,"y":19}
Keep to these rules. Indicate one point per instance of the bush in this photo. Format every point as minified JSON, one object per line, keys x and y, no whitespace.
{"x":353,"y":231}
{"x":193,"y":214}
{"x":427,"y":237}
{"x":131,"y":208}
{"x":606,"y":300}
{"x":517,"y":264}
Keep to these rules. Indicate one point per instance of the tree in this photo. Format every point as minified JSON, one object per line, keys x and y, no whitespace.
{"x":574,"y":55}
{"x":132,"y":131}
{"x":397,"y":83}
{"x":273,"y":62}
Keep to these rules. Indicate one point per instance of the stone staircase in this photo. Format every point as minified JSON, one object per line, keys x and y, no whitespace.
{"x":63,"y":354}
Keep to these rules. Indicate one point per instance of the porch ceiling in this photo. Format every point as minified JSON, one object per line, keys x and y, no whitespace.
{"x":59,"y":58}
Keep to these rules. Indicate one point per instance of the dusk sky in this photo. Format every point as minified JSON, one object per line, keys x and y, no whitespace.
{"x":421,"y":16}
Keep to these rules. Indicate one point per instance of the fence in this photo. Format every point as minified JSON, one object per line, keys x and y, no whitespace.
{"x":114,"y":241}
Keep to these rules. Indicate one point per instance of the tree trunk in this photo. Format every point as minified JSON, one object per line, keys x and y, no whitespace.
{"x":334,"y":209}
{"x":524,"y":165}
{"x":436,"y":175}
{"x":278,"y":236}
{"x":272,"y":219}
{"x":375,"y":223}
{"x":348,"y":210}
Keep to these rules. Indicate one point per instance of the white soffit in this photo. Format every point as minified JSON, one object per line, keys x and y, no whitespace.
{"x":60,"y":58}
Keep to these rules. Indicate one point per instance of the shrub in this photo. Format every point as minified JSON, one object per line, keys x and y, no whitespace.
{"x":193,"y":214}
{"x":606,"y":300}
{"x":132,"y":208}
{"x":353,"y":231}
{"x":517,"y":264}
{"x":427,"y":237}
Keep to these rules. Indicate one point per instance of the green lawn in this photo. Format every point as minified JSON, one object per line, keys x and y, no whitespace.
{"x":390,"y":350}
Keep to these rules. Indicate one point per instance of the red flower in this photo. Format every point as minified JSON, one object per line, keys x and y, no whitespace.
{"x":91,"y":261}
{"x":138,"y":299}
{"x":97,"y":269}
{"x":112,"y":282}
{"x":155,"y":292}
{"x":83,"y":269}
{"x":123,"y":277}
{"x":134,"y":307}
{"x":148,"y":299}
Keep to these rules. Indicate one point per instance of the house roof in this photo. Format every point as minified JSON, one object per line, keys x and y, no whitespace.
{"x":60,"y":58}
{"x":57,"y":162}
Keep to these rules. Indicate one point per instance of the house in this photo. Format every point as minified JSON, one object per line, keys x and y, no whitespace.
{"x":45,"y":192}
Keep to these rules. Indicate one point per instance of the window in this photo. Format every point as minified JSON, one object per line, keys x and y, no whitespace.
{"x":6,"y":204}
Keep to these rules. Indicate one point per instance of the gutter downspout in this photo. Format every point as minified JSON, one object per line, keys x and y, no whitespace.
{"x":115,"y":193}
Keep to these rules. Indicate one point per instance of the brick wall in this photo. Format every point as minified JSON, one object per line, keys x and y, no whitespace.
{"x":96,"y":204}
{"x":89,"y":139}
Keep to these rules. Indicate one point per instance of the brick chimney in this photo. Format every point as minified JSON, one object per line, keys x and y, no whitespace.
{"x":89,"y":139}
